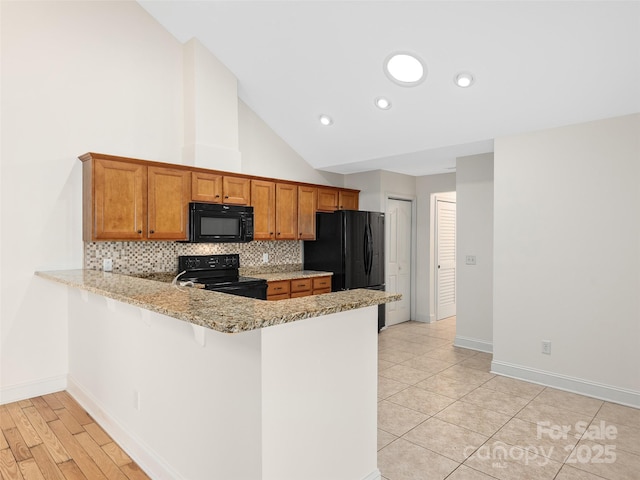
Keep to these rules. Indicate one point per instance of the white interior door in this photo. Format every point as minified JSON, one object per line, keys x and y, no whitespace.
{"x":446,"y":259}
{"x":398,"y":268}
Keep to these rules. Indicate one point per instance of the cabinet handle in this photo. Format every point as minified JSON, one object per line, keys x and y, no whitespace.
{"x":152,"y":231}
{"x":270,"y":233}
{"x":226,"y":196}
{"x":217,"y":196}
{"x":139,"y":231}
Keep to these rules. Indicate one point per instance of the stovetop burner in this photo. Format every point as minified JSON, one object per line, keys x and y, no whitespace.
{"x":220,"y":273}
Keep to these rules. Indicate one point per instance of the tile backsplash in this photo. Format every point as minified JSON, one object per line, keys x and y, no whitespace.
{"x":147,"y":257}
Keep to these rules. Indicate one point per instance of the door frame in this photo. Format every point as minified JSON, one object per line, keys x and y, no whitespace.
{"x":413,"y":238}
{"x":433,"y":261}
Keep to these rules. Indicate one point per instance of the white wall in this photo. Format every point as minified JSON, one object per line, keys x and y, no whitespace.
{"x":70,"y":84}
{"x":474,"y":236}
{"x":567,"y":257}
{"x":265,"y":154}
{"x":425,"y":187}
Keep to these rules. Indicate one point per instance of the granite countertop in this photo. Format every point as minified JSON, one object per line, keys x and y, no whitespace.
{"x":292,"y":275}
{"x":218,"y":311}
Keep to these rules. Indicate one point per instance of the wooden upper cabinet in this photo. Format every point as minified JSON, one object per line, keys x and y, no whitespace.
{"x":115,"y":200}
{"x":348,"y":200}
{"x":206,"y":187}
{"x":169,"y":192}
{"x":131,"y":199}
{"x":332,"y":199}
{"x":236,"y":190}
{"x":263,"y":199}
{"x":327,"y":199}
{"x":307,"y":200}
{"x":286,"y":211}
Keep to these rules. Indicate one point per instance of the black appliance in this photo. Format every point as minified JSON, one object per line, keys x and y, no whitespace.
{"x":215,"y":223}
{"x":219,"y":273}
{"x":349,"y":243}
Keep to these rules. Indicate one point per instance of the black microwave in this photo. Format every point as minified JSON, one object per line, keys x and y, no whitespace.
{"x":214,"y":223}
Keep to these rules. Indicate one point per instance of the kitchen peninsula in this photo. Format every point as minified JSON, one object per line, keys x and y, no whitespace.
{"x":203,"y":385}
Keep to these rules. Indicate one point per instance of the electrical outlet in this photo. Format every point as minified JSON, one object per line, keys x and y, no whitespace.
{"x":470,"y":260}
{"x":546,"y":347}
{"x":107,"y":264}
{"x":265,"y":258}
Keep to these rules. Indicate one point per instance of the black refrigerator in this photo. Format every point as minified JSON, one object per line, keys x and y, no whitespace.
{"x":349,"y":243}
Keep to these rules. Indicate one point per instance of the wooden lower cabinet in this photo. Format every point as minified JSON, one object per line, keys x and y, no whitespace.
{"x":301,"y":287}
{"x":321,"y":285}
{"x":278,"y":290}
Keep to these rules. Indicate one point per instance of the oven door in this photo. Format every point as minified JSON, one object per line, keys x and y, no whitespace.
{"x":257,"y":290}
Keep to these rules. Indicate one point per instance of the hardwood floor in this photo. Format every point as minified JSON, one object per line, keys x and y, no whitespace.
{"x":53,"y":438}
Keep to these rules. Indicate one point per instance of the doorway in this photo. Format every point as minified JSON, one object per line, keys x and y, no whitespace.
{"x":399,"y":272}
{"x":445,"y":256}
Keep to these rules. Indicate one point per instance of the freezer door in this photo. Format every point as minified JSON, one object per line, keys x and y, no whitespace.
{"x":357,"y":248}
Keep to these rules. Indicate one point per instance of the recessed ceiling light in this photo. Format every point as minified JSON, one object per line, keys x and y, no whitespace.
{"x":382,"y":103}
{"x":405,"y":69}
{"x":464,"y":79}
{"x":326,"y":120}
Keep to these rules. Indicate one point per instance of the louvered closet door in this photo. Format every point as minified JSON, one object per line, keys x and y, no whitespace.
{"x":446,"y":258}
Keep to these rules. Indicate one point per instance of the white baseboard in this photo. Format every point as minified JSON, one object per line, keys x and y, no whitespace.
{"x":570,"y":384}
{"x":152,"y":464}
{"x":375,"y":475}
{"x":473,"y":344}
{"x":22,"y":391}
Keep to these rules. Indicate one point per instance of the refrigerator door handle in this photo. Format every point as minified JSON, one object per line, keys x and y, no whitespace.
{"x":366,"y":250}
{"x":369,"y":249}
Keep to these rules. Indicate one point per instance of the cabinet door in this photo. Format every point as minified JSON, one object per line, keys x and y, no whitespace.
{"x":120,"y":200}
{"x":327,"y":199}
{"x":169,"y":195}
{"x":347,"y":200}
{"x":286,"y":211}
{"x":206,"y":187}
{"x":263,"y":199}
{"x":278,"y":290}
{"x":236,"y":190}
{"x":307,"y":199}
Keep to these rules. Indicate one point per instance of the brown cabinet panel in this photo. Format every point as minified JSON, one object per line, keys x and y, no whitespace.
{"x":236,"y":190}
{"x":347,"y":200}
{"x":306,"y":293}
{"x":321,"y":283}
{"x":327,"y":199}
{"x":263,"y":199}
{"x":286,"y":211}
{"x":278,"y":290}
{"x":168,"y":201}
{"x":119,"y":202}
{"x":206,"y":187}
{"x":321,"y":291}
{"x":301,"y":285}
{"x":307,"y":200}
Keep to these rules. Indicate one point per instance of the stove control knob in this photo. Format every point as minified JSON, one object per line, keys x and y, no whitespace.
{"x":192,"y":262}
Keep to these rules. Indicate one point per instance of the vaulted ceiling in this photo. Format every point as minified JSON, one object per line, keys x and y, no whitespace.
{"x":537,"y":65}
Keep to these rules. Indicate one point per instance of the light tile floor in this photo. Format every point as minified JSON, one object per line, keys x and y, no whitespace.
{"x":442,"y":414}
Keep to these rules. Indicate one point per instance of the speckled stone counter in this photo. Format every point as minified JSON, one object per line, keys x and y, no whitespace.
{"x":217,"y":311}
{"x":291,"y":275}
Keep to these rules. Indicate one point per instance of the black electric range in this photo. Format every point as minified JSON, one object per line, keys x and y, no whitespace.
{"x":220,"y":273}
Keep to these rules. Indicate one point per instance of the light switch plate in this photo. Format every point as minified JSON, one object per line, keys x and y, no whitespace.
{"x":470,"y":260}
{"x":107,"y":264}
